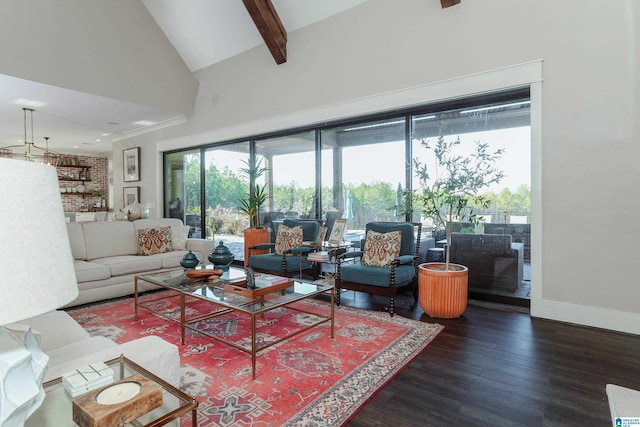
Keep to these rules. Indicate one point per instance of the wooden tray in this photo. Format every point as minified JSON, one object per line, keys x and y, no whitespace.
{"x":240,"y":288}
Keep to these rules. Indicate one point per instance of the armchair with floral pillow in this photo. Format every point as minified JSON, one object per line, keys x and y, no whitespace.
{"x":287,"y":254}
{"x":388,"y":262}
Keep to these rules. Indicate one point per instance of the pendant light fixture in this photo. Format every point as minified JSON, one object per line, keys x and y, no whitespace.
{"x":43,"y":155}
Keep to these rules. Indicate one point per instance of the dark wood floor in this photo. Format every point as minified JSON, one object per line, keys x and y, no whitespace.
{"x":495,"y":367}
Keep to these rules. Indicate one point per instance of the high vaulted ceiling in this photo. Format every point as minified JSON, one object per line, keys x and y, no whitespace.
{"x":203,"y":32}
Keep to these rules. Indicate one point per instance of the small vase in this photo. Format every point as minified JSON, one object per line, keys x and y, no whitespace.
{"x":190,"y":261}
{"x":221,"y":257}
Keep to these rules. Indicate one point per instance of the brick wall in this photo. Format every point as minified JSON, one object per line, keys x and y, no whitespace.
{"x":99,"y":181}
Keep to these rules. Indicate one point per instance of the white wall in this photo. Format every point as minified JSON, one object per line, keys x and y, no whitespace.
{"x":108,"y":48}
{"x":585,"y":118}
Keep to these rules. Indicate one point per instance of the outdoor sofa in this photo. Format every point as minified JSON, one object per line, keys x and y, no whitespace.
{"x":494,"y":261}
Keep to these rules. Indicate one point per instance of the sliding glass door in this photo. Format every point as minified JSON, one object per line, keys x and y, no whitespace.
{"x":290,"y":162}
{"x":368,"y":166}
{"x":183,"y":189}
{"x":361,"y":169}
{"x":224,"y":185}
{"x":496,"y":251}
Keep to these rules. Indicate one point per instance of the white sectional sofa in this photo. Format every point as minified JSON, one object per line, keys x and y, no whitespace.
{"x":106,"y":256}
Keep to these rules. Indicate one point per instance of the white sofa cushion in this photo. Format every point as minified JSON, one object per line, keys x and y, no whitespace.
{"x":151,"y":352}
{"x":57,"y":329}
{"x":77,"y":350}
{"x":109,"y":238}
{"x":179,"y":237}
{"x":172,"y":259}
{"x":68,"y":346}
{"x":128,"y":264}
{"x":87,"y":271}
{"x":76,"y":240}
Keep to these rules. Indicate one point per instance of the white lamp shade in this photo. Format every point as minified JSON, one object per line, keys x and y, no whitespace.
{"x":36,"y":265}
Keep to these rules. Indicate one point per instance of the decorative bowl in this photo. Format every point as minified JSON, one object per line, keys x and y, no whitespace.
{"x":201,"y":274}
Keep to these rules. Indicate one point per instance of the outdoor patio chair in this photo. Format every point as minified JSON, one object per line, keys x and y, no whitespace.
{"x":286,"y":259}
{"x":267,"y":218}
{"x":388,"y":263}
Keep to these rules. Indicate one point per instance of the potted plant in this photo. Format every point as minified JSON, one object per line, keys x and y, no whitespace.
{"x":251,"y":205}
{"x":449,"y":190}
{"x":99,"y":194}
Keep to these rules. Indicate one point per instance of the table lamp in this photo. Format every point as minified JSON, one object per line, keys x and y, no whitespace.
{"x":36,"y":276}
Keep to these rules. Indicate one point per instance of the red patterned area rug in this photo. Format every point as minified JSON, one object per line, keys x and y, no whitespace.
{"x":307,"y":380}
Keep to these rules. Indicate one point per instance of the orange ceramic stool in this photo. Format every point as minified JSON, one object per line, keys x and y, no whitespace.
{"x":443,"y":294}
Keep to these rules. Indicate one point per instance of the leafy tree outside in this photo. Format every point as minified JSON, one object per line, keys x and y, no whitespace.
{"x":371,"y":201}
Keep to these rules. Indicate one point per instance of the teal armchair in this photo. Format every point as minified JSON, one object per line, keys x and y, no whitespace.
{"x":290,"y":262}
{"x":400,"y":275}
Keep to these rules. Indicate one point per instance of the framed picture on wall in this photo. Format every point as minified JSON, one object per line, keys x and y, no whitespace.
{"x":131,"y":164}
{"x":131,"y":195}
{"x":337,"y":232}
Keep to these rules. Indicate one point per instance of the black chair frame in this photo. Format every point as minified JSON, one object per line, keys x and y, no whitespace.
{"x":391,"y":291}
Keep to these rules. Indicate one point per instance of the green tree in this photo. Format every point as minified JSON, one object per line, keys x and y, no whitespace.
{"x":191,"y":178}
{"x":251,"y":202}
{"x":508,"y":202}
{"x":450,"y":188}
{"x":223,"y":187}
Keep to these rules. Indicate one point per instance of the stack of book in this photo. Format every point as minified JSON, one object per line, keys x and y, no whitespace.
{"x":87,"y":378}
{"x":264,"y":280}
{"x":264,"y":284}
{"x":319,"y":256}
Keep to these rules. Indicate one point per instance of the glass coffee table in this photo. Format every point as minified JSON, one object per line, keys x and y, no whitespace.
{"x":57,"y":409}
{"x":224,"y":298}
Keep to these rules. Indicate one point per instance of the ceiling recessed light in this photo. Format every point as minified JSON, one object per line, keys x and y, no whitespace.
{"x":144,"y":123}
{"x":105,"y":134}
{"x":98,"y":140}
{"x":29,"y":103}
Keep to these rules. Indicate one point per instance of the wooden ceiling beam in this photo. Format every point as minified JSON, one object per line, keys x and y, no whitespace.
{"x":268,"y":22}
{"x":449,"y":3}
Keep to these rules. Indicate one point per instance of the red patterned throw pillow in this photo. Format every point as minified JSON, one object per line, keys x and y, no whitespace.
{"x":153,"y":241}
{"x":288,"y":238}
{"x":380,"y":249}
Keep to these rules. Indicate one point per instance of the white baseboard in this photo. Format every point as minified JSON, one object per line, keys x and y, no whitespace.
{"x":585,"y":315}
